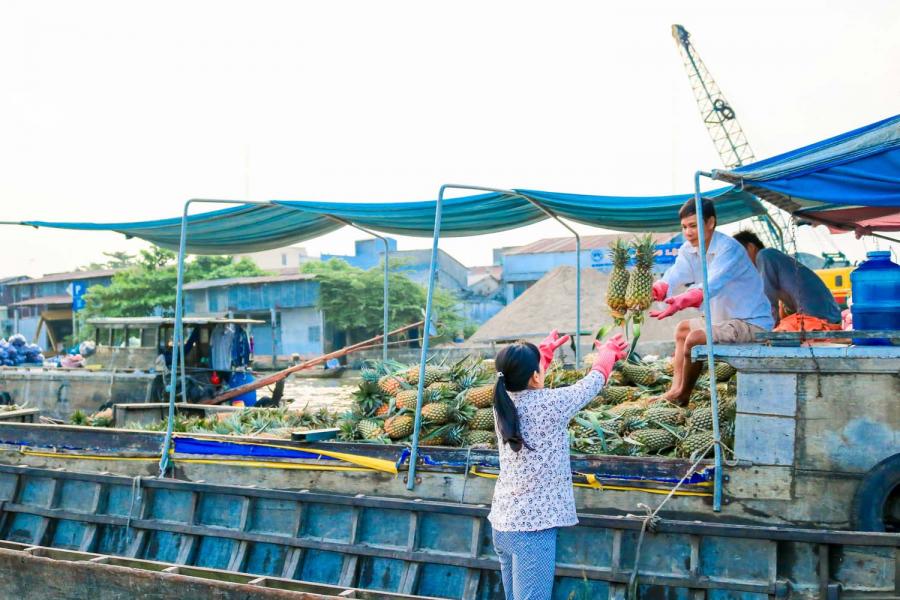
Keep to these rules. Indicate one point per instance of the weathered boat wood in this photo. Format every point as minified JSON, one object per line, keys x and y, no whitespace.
{"x":423,"y":547}
{"x":38,"y":572}
{"x":21,"y":415}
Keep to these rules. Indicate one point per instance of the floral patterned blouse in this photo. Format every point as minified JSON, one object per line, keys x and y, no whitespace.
{"x":534,"y":490}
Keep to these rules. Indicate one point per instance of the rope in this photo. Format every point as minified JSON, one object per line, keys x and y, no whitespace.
{"x":465,"y":475}
{"x":135,"y":489}
{"x":651,"y":517}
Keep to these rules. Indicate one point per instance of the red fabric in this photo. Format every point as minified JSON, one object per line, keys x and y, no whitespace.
{"x":801,"y":322}
{"x":862,"y":219}
{"x":690,"y":299}
{"x":607,"y":354}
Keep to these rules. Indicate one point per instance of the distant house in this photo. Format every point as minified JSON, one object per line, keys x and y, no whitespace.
{"x":43,"y":308}
{"x":6,"y":300}
{"x":485,"y":281}
{"x":287,"y":303}
{"x":451,"y":274}
{"x":523,"y":266}
{"x":278,"y":259}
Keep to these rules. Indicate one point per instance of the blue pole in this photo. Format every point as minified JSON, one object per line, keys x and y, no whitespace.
{"x":707,"y":314}
{"x":177,"y":345}
{"x":384,"y":341}
{"x":414,"y":453}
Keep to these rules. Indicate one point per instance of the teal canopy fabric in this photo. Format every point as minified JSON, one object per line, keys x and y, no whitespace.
{"x":253,"y":228}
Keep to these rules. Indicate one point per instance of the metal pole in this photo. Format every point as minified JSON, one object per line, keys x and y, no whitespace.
{"x":414,"y":453}
{"x":707,"y":313}
{"x":177,"y":334}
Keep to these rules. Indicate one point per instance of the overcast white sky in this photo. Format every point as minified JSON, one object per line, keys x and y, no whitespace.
{"x":119,"y":111}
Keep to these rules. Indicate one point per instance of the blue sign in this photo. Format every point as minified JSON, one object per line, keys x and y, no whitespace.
{"x":601,"y":258}
{"x":78,"y":290}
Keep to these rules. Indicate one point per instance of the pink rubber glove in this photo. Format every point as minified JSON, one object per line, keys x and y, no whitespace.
{"x":690,"y":299}
{"x":549,"y":345}
{"x":607,"y":354}
{"x":660,"y":289}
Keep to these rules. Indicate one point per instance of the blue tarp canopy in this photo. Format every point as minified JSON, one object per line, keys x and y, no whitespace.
{"x":253,"y":228}
{"x":850,"y":181}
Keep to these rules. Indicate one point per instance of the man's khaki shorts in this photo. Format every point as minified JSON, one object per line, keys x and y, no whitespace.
{"x":734,"y":331}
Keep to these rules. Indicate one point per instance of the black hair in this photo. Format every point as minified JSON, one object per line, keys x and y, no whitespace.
{"x":516,"y":364}
{"x":689,"y":208}
{"x":747,"y":237}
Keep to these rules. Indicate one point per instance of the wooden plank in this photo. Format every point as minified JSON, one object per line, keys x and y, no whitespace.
{"x":767,"y":393}
{"x":760,"y":483}
{"x":765,"y":440}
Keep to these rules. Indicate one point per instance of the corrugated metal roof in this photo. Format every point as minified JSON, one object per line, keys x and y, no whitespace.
{"x":50,"y":300}
{"x":212,"y":283}
{"x":567,"y":244}
{"x":69,"y":276}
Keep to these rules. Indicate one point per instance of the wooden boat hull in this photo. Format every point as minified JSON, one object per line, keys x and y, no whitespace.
{"x":422,"y":547}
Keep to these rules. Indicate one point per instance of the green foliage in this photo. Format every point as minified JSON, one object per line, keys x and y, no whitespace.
{"x":150,"y":283}
{"x":353,"y":299}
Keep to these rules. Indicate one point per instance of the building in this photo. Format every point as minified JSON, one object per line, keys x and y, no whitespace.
{"x":6,"y":300}
{"x":523,"y":266}
{"x":485,"y":281}
{"x":451,"y":274}
{"x":43,"y":308}
{"x":278,"y":259}
{"x":287,"y":303}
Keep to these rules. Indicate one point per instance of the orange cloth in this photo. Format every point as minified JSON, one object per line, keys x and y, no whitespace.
{"x":801,"y":322}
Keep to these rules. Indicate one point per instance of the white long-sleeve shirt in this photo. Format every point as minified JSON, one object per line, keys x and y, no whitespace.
{"x":534,"y":490}
{"x":735,"y":286}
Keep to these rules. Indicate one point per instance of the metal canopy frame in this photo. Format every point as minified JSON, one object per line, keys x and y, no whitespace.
{"x":414,"y":452}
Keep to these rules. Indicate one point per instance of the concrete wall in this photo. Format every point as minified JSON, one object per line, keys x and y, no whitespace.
{"x":301,"y":332}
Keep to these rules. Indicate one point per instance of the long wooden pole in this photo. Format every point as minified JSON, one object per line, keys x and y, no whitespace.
{"x":275,"y":377}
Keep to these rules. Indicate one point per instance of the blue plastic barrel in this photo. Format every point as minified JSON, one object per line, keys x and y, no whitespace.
{"x":239,"y":378}
{"x":876,"y":295}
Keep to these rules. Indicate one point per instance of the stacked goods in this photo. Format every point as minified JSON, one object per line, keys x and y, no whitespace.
{"x":457,"y":404}
{"x":267,"y":422}
{"x":639,"y":294}
{"x":17,"y":351}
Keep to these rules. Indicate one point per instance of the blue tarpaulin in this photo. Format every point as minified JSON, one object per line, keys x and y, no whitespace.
{"x":849,"y":181}
{"x":284,"y":222}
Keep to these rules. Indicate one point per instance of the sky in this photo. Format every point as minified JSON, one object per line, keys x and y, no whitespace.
{"x":120,"y":111}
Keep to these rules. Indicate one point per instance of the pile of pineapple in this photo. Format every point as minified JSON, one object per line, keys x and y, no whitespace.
{"x":629,"y":418}
{"x":457,"y":405}
{"x":268,"y":422}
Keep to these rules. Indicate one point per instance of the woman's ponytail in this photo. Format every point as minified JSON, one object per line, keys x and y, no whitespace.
{"x":516,"y":364}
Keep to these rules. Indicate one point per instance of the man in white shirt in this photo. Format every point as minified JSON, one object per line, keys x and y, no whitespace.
{"x":738,"y":302}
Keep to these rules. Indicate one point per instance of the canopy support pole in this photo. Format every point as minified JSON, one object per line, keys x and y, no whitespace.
{"x":707,"y":314}
{"x":384,"y":346}
{"x":414,"y":452}
{"x":177,"y":333}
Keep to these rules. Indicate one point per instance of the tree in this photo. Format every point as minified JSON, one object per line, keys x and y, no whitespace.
{"x":149,"y":284}
{"x":353,"y":300}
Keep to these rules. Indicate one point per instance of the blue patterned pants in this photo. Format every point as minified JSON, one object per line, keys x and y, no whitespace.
{"x":527,"y":562}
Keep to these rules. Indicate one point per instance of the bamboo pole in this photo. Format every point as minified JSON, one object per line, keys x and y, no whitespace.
{"x":275,"y":377}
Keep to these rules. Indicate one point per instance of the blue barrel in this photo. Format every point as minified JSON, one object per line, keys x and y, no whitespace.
{"x":876,"y":295}
{"x":239,"y":378}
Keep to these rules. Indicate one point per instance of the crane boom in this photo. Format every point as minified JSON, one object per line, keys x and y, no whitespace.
{"x":728,"y":137}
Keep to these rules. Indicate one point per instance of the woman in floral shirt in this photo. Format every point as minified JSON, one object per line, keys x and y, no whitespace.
{"x":533,"y":495}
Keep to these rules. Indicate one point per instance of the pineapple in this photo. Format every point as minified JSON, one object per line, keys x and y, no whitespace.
{"x":479,"y":438}
{"x":639,"y":294}
{"x":432,"y":374}
{"x":724,"y":372}
{"x":399,"y":427}
{"x":653,"y":440}
{"x":434,"y":436}
{"x":483,"y":420}
{"x":383,"y":410}
{"x":450,"y":388}
{"x":436,"y":413}
{"x":701,"y":419}
{"x":617,"y":394}
{"x":627,"y":410}
{"x":618,"y":281}
{"x":640,"y":374}
{"x":370,"y":429}
{"x":488,"y":366}
{"x":695,"y":442}
{"x":406,"y":399}
{"x":390,"y":385}
{"x":481,"y":397}
{"x":660,"y":413}
{"x":617,"y":377}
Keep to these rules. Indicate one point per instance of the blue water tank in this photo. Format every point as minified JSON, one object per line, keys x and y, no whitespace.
{"x":876,"y":295}
{"x":239,"y":378}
